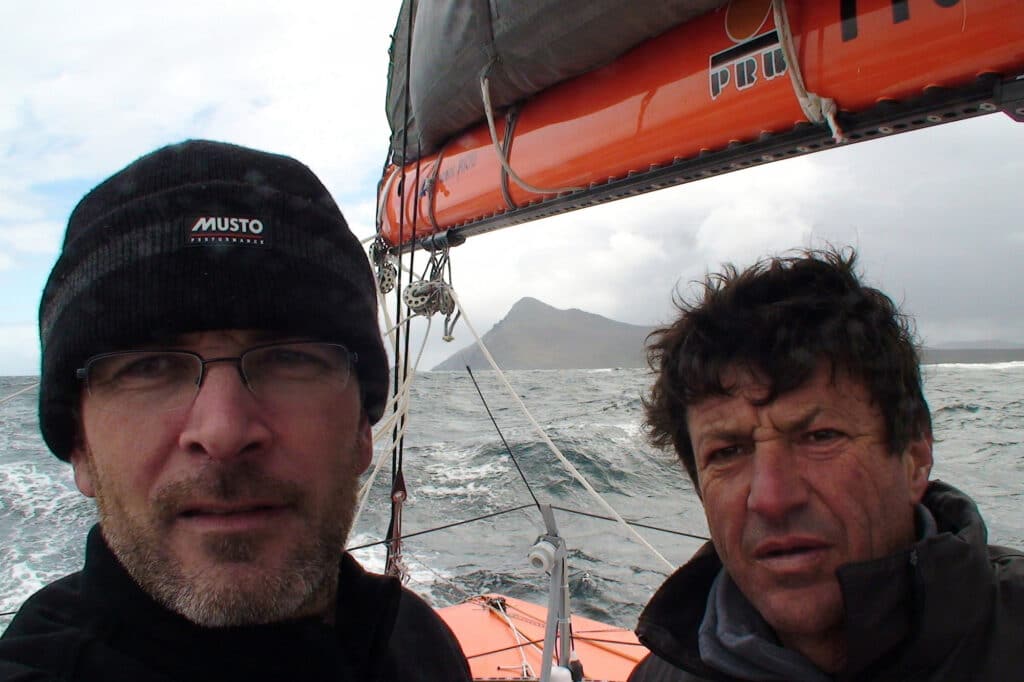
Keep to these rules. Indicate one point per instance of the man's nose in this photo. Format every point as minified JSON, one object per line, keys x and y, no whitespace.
{"x":777,"y":486}
{"x":225,"y":418}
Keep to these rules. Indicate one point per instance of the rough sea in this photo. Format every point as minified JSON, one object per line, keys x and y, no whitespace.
{"x":457,"y":468}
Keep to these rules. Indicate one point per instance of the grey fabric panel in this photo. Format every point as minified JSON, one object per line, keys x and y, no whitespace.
{"x":526,"y":46}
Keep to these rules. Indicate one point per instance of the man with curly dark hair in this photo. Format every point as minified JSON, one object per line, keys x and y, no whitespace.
{"x":791,"y":391}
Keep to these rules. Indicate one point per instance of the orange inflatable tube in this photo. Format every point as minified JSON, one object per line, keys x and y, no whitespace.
{"x":700,"y":89}
{"x":501,"y":636}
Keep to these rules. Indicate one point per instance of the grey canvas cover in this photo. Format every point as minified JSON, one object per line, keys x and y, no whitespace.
{"x":524,"y":46}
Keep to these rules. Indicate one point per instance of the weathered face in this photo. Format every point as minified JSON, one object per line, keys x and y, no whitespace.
{"x":796,"y":488}
{"x":229,"y":511}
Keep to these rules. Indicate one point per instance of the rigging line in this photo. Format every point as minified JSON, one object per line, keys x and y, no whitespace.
{"x":401,"y":407}
{"x":507,"y":648}
{"x":402,"y":403}
{"x":15,"y":395}
{"x":466,"y":595}
{"x":444,"y":527}
{"x":8,"y":613}
{"x":403,"y":189}
{"x":502,"y":436}
{"x":500,"y":607}
{"x":485,"y":90}
{"x":402,"y":322}
{"x":403,"y":389}
{"x":399,"y":402}
{"x":632,"y":523}
{"x":402,"y":360}
{"x":816,"y":108}
{"x":551,"y":446}
{"x":595,"y":640}
{"x":398,"y":492}
{"x":521,"y":640}
{"x":368,"y":485}
{"x":398,"y":454}
{"x":412,"y":268}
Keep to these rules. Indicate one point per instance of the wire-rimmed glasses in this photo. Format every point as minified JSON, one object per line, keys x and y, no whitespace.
{"x":162,"y":380}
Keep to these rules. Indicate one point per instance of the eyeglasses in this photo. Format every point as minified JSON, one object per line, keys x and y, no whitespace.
{"x":164,"y":380}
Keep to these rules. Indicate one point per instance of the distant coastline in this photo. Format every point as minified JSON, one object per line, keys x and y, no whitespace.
{"x":535,"y":335}
{"x":971,"y":356}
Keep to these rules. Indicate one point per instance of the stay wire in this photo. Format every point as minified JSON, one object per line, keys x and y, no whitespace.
{"x":541,"y":641}
{"x":444,"y":527}
{"x":502,"y":436}
{"x":400,"y":191}
{"x":398,"y":441}
{"x":396,"y":467}
{"x":635,"y":524}
{"x":527,"y":506}
{"x":505,"y":648}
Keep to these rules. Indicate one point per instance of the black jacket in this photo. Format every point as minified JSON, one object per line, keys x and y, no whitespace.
{"x":950,"y":607}
{"x":98,"y":625}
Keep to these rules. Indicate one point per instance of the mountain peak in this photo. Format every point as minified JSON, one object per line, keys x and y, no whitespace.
{"x":529,"y":306}
{"x":535,"y":335}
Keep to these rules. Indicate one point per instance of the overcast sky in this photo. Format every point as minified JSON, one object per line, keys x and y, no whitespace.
{"x":88,"y":87}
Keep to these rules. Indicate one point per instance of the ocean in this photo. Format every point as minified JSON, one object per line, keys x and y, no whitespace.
{"x":457,"y":468}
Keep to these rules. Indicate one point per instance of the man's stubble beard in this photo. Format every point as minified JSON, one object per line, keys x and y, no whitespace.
{"x":254,"y":595}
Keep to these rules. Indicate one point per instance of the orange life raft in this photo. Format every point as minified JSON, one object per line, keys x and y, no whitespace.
{"x":503,"y":639}
{"x":713,"y":95}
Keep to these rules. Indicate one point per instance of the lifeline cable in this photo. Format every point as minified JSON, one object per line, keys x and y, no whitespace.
{"x":635,"y":524}
{"x":506,"y":648}
{"x":445,"y":527}
{"x":527,"y":506}
{"x":502,"y":436}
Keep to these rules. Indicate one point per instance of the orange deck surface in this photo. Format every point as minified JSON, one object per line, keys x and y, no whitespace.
{"x":606,"y":652}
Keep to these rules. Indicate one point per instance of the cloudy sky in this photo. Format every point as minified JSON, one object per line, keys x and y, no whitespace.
{"x":86,"y":88}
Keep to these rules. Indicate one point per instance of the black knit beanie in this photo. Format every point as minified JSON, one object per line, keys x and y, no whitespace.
{"x":201,"y":236}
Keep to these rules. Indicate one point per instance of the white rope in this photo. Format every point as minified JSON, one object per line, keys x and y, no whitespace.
{"x":816,"y":108}
{"x":551,"y":446}
{"x":19,"y":392}
{"x":521,"y":642}
{"x":396,"y":408}
{"x":485,"y":90}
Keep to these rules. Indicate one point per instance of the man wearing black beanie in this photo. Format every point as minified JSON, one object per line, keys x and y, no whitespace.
{"x":211,"y":367}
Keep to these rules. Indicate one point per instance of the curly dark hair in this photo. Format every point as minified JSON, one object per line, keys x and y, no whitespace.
{"x":781,"y":318}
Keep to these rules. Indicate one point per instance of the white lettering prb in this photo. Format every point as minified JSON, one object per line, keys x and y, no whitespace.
{"x":221,"y":224}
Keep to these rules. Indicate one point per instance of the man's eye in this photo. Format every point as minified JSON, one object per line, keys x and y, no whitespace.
{"x":724,"y":454}
{"x":290,"y":357}
{"x":147,"y":367}
{"x":145,"y":370}
{"x":285,"y":356}
{"x":821,"y":436}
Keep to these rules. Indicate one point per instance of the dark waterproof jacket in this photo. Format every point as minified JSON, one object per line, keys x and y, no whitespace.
{"x":950,"y":607}
{"x":97,"y":625}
